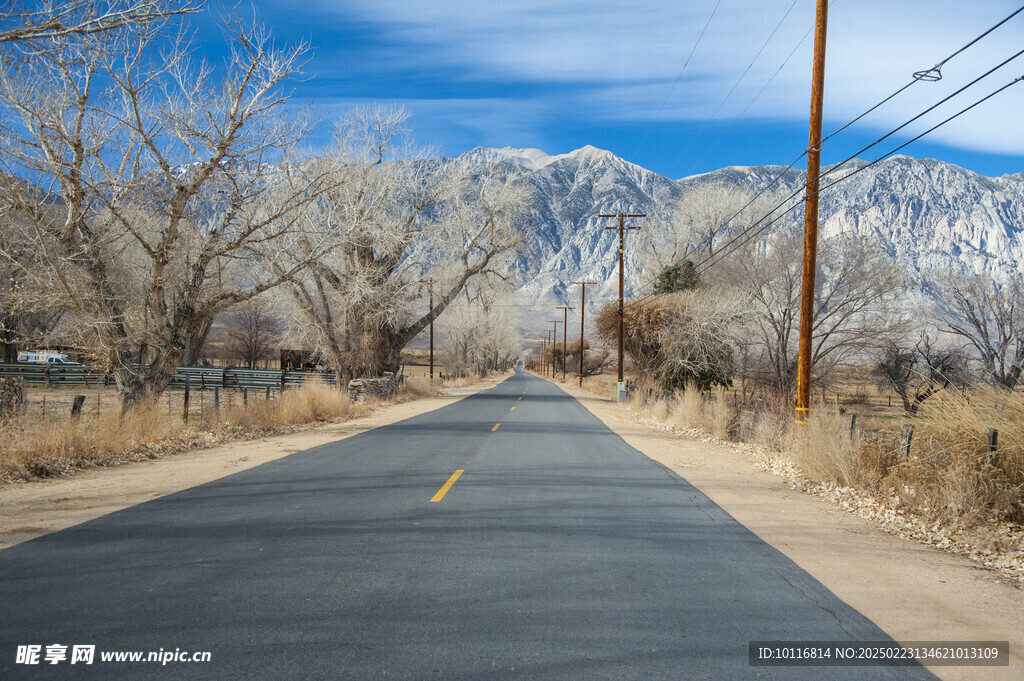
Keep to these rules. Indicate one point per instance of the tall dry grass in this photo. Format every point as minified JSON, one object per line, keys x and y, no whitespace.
{"x":47,"y":448}
{"x":313,"y":402}
{"x":418,"y":386}
{"x":688,"y":410}
{"x":828,"y":450}
{"x":721,"y":416}
{"x":950,"y":474}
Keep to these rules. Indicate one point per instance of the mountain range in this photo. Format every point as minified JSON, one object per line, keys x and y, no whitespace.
{"x":928,"y":216}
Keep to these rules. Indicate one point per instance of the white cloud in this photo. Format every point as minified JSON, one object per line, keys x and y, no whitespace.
{"x":627,"y":56}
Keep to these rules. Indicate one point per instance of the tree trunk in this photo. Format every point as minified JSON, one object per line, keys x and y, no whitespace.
{"x":138,"y":386}
{"x":194,"y":344}
{"x":10,"y":345}
{"x":387,"y":353}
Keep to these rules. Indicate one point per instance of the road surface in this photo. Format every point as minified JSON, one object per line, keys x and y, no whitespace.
{"x":558,"y":552}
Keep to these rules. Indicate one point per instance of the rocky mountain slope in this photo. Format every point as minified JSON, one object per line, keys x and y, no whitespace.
{"x":928,"y":215}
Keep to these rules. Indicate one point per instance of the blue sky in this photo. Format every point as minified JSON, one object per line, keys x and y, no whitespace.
{"x":557,"y":75}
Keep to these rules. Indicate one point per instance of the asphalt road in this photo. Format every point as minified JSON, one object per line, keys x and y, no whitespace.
{"x":558,"y":553}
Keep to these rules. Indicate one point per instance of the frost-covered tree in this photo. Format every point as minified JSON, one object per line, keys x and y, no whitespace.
{"x":399,"y":223}
{"x":989,"y":315}
{"x":478,"y":335}
{"x":854,"y":302}
{"x":157,"y":194}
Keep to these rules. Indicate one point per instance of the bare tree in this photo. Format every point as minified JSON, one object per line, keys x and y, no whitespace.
{"x":479,"y":335}
{"x":398,"y":222}
{"x":643,"y":326}
{"x":916,"y":373}
{"x":176,"y":195}
{"x":701,"y":337}
{"x":682,"y":337}
{"x":595,"y":360}
{"x":853,"y":314}
{"x":251,"y":332}
{"x":692,"y":227}
{"x":34,"y":21}
{"x":990,"y":316}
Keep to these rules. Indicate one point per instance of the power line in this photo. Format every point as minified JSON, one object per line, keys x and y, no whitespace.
{"x":718,"y":256}
{"x":932,"y":74}
{"x":754,"y":99}
{"x":917,"y":77}
{"x":881,"y":139}
{"x":746,"y":235}
{"x":734,"y":86}
{"x":678,"y":77}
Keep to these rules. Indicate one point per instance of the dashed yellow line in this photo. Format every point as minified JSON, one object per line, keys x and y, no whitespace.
{"x":519,"y":400}
{"x":495,"y":427}
{"x":513,"y":408}
{"x":447,"y":486}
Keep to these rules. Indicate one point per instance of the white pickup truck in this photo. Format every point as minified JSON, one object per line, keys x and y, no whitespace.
{"x":46,"y":358}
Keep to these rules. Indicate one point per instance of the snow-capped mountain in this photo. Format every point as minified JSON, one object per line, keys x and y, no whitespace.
{"x":927,"y":215}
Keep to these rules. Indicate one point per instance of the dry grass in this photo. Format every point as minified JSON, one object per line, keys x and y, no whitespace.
{"x":721,"y":417}
{"x":601,"y":384}
{"x":46,"y":448}
{"x":461,"y":381}
{"x":950,"y":475}
{"x":827,"y":450}
{"x":313,"y":402}
{"x":688,"y":410}
{"x":418,"y":386}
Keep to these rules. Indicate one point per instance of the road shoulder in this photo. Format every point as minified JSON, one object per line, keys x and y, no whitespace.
{"x":912,"y":591}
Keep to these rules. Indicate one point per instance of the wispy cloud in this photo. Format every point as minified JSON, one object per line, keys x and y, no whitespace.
{"x":499,"y":70}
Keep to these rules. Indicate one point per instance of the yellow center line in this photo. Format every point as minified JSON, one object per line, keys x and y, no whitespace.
{"x":519,"y":400}
{"x":447,"y":486}
{"x":495,"y":427}
{"x":513,"y":408}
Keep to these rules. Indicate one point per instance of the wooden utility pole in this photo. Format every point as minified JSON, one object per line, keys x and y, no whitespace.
{"x":583,"y":311}
{"x":565,"y":331}
{"x":544,"y":358}
{"x":803,"y":372}
{"x":554,"y":346}
{"x":431,"y":285}
{"x":622,"y":227}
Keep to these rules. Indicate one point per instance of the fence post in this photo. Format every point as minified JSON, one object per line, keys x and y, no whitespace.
{"x":268,"y":393}
{"x":993,"y":445}
{"x":853,"y":426}
{"x":188,"y":394}
{"x":245,"y":397}
{"x":76,"y":407}
{"x":48,"y":376}
{"x":283,"y":372}
{"x":906,"y":436}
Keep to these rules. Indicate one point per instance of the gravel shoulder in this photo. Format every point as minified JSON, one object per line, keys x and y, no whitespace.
{"x":912,"y":591}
